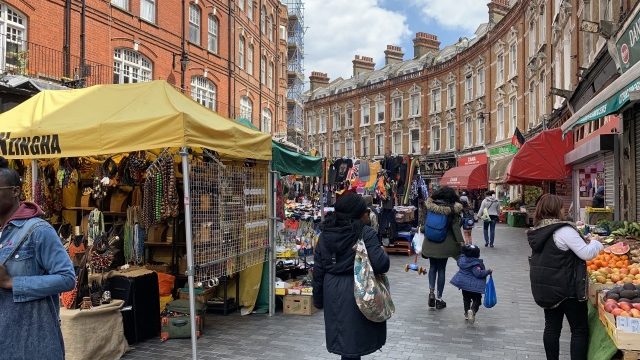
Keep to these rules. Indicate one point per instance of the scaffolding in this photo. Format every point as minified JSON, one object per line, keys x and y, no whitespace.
{"x":295,"y":71}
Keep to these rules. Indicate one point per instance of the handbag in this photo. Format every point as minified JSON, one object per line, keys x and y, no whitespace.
{"x":371,"y":291}
{"x":490,"y":299}
{"x":485,"y":216}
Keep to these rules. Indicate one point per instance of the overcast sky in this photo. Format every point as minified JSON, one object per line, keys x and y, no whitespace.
{"x":339,"y":29}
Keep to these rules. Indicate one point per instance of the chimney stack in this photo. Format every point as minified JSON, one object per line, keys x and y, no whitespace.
{"x":425,"y":43}
{"x":318,"y":80}
{"x":497,"y":10}
{"x":393,"y":55}
{"x":362,"y":65}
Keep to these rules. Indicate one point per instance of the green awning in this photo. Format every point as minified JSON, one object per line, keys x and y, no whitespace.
{"x":612,"y":105}
{"x":290,"y":162}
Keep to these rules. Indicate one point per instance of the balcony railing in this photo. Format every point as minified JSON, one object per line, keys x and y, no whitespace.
{"x":29,"y":59}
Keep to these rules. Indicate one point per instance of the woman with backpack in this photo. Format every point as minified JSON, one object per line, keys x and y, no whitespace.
{"x":348,"y":332}
{"x":491,"y":206}
{"x":443,"y":239}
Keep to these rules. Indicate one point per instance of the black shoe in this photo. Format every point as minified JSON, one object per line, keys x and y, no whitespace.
{"x":440,"y":304}
{"x":491,"y":245}
{"x":486,"y":244}
{"x":432,"y":300}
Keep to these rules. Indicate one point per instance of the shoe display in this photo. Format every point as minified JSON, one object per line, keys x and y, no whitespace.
{"x":440,"y":304}
{"x":432,"y":300}
{"x":471,"y":316}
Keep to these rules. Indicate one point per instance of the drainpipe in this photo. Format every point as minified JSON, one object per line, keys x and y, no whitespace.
{"x":66,"y":48}
{"x":230,"y":56}
{"x":83,"y":37}
{"x":184,"y":57}
{"x":262,"y":53}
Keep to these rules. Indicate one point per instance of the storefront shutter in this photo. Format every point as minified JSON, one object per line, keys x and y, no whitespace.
{"x":609,"y":180}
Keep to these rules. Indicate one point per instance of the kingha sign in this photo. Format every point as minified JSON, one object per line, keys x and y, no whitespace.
{"x":29,"y":146}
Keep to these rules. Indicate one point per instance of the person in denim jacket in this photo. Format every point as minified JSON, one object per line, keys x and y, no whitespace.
{"x":471,"y":279}
{"x":31,"y":279}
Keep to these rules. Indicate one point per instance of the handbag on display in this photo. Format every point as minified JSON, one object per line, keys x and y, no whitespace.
{"x":371,"y":291}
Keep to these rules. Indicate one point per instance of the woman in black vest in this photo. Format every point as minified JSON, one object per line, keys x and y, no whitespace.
{"x":558,"y":273}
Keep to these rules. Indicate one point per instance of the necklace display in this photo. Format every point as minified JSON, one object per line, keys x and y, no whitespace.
{"x":160,"y":192}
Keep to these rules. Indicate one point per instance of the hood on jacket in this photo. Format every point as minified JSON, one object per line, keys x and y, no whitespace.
{"x":465,"y":263}
{"x":539,"y":235}
{"x":443,"y":208}
{"x":25,"y":211}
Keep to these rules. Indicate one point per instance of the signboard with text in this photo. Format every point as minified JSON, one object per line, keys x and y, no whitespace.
{"x":507,"y":149}
{"x":436,"y":168}
{"x":627,"y":45}
{"x":477,"y":159}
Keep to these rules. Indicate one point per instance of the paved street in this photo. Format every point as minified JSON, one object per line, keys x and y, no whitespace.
{"x":511,"y":330}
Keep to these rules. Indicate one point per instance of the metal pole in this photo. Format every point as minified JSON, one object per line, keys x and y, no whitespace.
{"x":272,"y":241}
{"x":184,"y":154}
{"x":34,"y":179}
{"x":83,"y":42}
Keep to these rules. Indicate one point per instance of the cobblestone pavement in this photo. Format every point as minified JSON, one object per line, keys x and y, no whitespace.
{"x":511,"y":330}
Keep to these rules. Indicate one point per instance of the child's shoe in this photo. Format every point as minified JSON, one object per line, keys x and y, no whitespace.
{"x":440,"y":304}
{"x":471,"y":316}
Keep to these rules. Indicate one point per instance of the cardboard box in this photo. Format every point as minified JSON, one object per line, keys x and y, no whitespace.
{"x":202,"y":295}
{"x":298,"y":305}
{"x":623,"y":340}
{"x":307,"y":290}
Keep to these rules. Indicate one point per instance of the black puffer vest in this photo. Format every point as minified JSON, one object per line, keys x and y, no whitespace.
{"x":555,"y":275}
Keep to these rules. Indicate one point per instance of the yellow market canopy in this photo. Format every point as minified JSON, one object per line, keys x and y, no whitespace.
{"x":110,"y":119}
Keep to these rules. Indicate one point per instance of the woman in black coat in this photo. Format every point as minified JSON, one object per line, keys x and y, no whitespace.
{"x":348,"y":332}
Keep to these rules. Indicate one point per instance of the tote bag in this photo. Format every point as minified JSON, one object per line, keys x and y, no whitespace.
{"x":370,"y":291}
{"x":490,"y":298}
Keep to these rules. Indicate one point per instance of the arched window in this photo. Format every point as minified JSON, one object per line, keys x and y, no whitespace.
{"x":250,"y":9}
{"x":14,"y":27}
{"x":241,"y":45}
{"x":246,"y":108}
{"x":194,"y":24}
{"x":204,"y":91}
{"x":250,"y":59}
{"x":266,"y":121}
{"x":129,"y":66}
{"x":263,"y":70}
{"x":263,"y":20}
{"x":270,"y":76}
{"x":270,"y":28}
{"x":214,"y":26}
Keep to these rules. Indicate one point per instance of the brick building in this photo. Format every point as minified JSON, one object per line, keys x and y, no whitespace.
{"x":228,"y":55}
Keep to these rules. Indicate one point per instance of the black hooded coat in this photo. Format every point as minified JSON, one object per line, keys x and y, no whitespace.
{"x":348,"y":332}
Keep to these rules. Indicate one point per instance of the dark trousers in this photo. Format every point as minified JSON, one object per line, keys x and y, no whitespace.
{"x":471,"y":301}
{"x":489,"y":238}
{"x":576,"y":313}
{"x":437,"y":269}
{"x":387,"y":224}
{"x":350,"y":358}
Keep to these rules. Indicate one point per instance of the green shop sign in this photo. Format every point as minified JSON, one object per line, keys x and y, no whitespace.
{"x":507,"y":149}
{"x":628,"y":46}
{"x":612,"y":105}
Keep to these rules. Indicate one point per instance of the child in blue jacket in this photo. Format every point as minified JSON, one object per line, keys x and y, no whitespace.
{"x":471,"y":279}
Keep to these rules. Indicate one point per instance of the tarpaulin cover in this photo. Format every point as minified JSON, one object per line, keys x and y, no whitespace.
{"x":111,"y":119}
{"x":292,"y":163}
{"x":469,"y":177}
{"x":541,"y":159}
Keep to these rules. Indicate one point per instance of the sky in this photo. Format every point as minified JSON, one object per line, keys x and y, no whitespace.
{"x":336,"y":30}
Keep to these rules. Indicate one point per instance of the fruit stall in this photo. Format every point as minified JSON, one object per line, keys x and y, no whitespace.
{"x":614,"y":283}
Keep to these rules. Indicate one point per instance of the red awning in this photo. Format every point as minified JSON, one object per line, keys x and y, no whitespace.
{"x":468,"y":177}
{"x":541,"y":159}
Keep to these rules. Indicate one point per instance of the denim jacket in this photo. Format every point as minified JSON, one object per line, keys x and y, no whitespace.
{"x":41,"y":267}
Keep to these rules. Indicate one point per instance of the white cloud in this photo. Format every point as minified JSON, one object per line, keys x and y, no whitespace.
{"x":459,"y":14}
{"x":339,"y":29}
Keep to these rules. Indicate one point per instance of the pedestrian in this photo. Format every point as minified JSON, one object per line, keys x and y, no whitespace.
{"x":492,"y":205}
{"x":558,"y":273}
{"x":373,"y":216}
{"x":348,"y":332}
{"x":34,"y":269}
{"x":468,"y":219}
{"x":471,"y":278}
{"x":442,"y":201}
{"x":598,"y":198}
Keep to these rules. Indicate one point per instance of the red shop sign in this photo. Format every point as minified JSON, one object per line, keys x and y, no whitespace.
{"x":477,"y":159}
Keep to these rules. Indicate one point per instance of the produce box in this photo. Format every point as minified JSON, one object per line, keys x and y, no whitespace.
{"x":624,"y":340}
{"x":202,"y":295}
{"x":307,"y":290}
{"x":298,"y":305}
{"x":595,"y":289}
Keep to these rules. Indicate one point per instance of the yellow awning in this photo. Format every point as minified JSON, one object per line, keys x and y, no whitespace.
{"x":111,"y":119}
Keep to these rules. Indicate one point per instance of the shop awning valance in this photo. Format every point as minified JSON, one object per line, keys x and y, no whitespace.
{"x":541,"y":159}
{"x":608,"y":101}
{"x":468,"y":177}
{"x":110,"y":119}
{"x":290,"y":162}
{"x":498,"y":168}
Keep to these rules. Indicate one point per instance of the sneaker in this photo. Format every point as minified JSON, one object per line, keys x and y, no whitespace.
{"x":486,"y":244}
{"x":471,"y":316}
{"x":466,"y":315}
{"x":432,"y":300}
{"x":440,"y":304}
{"x":491,"y":245}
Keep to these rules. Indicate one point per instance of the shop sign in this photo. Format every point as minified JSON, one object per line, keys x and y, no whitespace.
{"x":477,"y":159}
{"x":507,"y":149}
{"x":437,"y":168}
{"x":627,"y":44}
{"x":33,"y":145}
{"x":612,"y":105}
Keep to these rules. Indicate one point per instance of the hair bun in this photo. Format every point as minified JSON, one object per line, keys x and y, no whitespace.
{"x":4,"y":163}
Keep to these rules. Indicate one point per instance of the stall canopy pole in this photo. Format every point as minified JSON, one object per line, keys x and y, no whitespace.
{"x":184,"y":154}
{"x":34,"y":179}
{"x":272,"y":241}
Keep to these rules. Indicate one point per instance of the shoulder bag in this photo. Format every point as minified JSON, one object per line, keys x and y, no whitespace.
{"x":371,"y":291}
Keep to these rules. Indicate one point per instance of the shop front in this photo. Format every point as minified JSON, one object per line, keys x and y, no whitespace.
{"x":433,"y":167}
{"x":499,"y":159}
{"x":470,"y":175}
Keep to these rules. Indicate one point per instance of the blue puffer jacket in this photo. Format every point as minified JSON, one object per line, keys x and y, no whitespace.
{"x":472,"y":275}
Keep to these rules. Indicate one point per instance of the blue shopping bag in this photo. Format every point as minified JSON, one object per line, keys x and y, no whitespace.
{"x":490,"y":298}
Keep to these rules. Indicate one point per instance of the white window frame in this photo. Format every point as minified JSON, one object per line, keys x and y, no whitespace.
{"x":241,"y":52}
{"x":533,"y":103}
{"x":468,"y":87}
{"x":266,"y":121}
{"x":312,"y":125}
{"x":532,"y":38}
{"x":396,"y":104}
{"x":241,"y":4}
{"x":335,"y":120}
{"x":270,"y":75}
{"x":364,"y":146}
{"x":13,"y":24}
{"x":379,"y":144}
{"x":263,"y":70}
{"x":131,"y":67}
{"x":250,"y":9}
{"x":500,"y":122}
{"x":451,"y":96}
{"x":435,"y":139}
{"x":270,"y":28}
{"x":323,"y":123}
{"x":348,"y":148}
{"x":323,"y":148}
{"x":348,"y":116}
{"x":263,"y":20}
{"x":513,"y":114}
{"x":213,"y":31}
{"x":513,"y":60}
{"x":336,"y":148}
{"x":195,"y":23}
{"x":543,"y":24}
{"x":451,"y":135}
{"x":481,"y":127}
{"x":468,"y":139}
{"x":481,"y":83}
{"x":436,"y":103}
{"x":121,"y":4}
{"x":250,"y":56}
{"x":204,"y":91}
{"x":414,"y":142}
{"x":150,"y":16}
{"x":415,"y":106}
{"x":246,"y":108}
{"x":365,"y":114}
{"x":380,"y":110}
{"x":396,"y":144}
{"x":500,"y":69}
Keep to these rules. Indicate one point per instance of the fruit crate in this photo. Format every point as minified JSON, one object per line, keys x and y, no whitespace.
{"x":623,"y":340}
{"x":594,"y":215}
{"x":595,"y":289}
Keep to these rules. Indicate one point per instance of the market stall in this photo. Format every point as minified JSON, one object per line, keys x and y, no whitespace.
{"x":212,"y":173}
